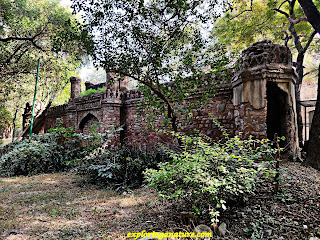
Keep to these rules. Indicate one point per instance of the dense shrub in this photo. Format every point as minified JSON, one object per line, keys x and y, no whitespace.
{"x":121,"y":167}
{"x":50,"y":152}
{"x":76,"y":145}
{"x":205,"y":175}
{"x":40,"y":155}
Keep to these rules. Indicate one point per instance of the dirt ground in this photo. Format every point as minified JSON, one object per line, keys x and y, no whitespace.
{"x":60,"y":206}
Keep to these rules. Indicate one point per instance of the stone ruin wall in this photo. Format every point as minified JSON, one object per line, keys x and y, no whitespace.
{"x":82,"y":113}
{"x":53,"y":114}
{"x":137,"y":134}
{"x":115,"y":114}
{"x":240,"y":107}
{"x":244,"y":106}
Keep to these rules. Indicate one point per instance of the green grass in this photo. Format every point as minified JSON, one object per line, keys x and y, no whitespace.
{"x":91,"y":91}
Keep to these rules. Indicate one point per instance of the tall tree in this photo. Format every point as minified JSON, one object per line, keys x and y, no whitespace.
{"x":293,"y":19}
{"x":283,"y":22}
{"x":313,"y":152}
{"x":28,"y":30}
{"x":156,"y":42}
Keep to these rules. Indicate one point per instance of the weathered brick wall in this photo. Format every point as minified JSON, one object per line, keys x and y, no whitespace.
{"x":83,"y":113}
{"x":250,"y":121}
{"x":248,"y":105}
{"x":220,"y":107}
{"x":53,"y":114}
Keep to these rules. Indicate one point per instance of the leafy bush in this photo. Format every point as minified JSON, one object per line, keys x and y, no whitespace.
{"x":91,"y":92}
{"x":122,"y":167}
{"x":40,"y":155}
{"x":205,"y":175}
{"x":50,"y":152}
{"x":76,"y":145}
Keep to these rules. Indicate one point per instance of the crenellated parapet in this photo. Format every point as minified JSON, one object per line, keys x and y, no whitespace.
{"x":57,"y":110}
{"x":132,"y":96}
{"x":114,"y":95}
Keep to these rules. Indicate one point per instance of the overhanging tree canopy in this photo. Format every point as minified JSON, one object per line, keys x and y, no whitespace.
{"x":313,"y":152}
{"x":155,"y":42}
{"x":28,"y":30}
{"x":283,"y":22}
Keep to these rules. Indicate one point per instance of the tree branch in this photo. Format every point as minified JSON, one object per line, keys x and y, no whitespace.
{"x":289,"y":18}
{"x":282,"y":12}
{"x":286,"y":38}
{"x":31,"y":39}
{"x":291,"y":9}
{"x":8,"y":39}
{"x":309,"y":41}
{"x":283,"y":3}
{"x":20,"y":56}
{"x":55,"y":95}
{"x":301,"y":19}
{"x":247,"y":10}
{"x":14,"y":53}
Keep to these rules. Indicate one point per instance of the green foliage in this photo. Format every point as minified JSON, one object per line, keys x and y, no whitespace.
{"x":91,"y":92}
{"x":76,"y":145}
{"x":245,"y":24}
{"x":156,"y":42}
{"x":28,"y":30}
{"x":206,"y":174}
{"x":118,"y":168}
{"x":5,"y":118}
{"x":64,"y":96}
{"x":51,"y":152}
{"x":40,"y":155}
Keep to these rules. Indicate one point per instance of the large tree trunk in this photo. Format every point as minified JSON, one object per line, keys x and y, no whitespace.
{"x":313,"y":152}
{"x":312,"y":13}
{"x":299,"y":68}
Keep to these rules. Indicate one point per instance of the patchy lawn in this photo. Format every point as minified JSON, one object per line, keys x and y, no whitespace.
{"x":59,"y":206}
{"x":56,"y":206}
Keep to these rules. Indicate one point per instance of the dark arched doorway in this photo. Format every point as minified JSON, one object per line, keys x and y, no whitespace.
{"x":277,"y":106}
{"x":88,"y":124}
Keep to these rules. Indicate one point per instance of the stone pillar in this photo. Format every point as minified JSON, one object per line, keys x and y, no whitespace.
{"x":88,"y":85}
{"x":75,"y":86}
{"x":124,"y":84}
{"x":119,"y":83}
